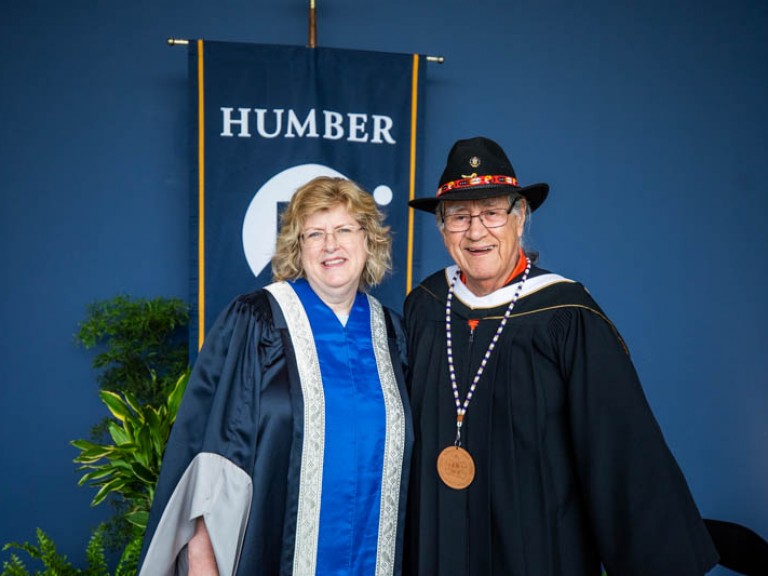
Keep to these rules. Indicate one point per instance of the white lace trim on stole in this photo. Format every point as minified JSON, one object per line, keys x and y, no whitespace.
{"x":502,"y":295}
{"x":394,"y":444}
{"x":311,"y":474}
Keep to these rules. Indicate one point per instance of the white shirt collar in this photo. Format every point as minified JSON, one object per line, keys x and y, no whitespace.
{"x":502,"y":295}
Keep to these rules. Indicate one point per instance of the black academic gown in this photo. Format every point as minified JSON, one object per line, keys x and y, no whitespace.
{"x":571,"y":467}
{"x":235,"y":452}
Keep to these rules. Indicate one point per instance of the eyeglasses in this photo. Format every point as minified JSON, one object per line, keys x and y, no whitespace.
{"x":492,"y":218}
{"x":344,"y":235}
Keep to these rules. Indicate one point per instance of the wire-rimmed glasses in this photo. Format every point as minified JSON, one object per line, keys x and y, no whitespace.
{"x":491,"y":218}
{"x":344,"y":235}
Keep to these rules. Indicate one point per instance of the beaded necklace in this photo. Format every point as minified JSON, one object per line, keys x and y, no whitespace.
{"x":454,"y":464}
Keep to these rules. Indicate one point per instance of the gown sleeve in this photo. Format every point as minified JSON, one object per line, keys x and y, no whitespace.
{"x":644,"y":517}
{"x":206,"y":464}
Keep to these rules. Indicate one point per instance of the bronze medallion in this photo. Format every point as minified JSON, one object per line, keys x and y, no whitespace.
{"x":456,"y":467}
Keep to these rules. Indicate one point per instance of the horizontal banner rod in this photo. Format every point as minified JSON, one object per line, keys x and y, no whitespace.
{"x":183,"y":42}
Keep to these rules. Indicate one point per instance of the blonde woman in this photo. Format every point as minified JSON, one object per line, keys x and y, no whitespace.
{"x":290,"y":452}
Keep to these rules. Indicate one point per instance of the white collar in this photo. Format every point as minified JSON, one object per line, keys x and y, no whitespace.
{"x":502,"y":295}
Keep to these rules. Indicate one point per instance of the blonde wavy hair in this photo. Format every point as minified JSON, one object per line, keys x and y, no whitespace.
{"x":325,"y":193}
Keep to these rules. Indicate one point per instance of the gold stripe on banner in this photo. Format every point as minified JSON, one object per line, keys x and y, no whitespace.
{"x":412,"y":175}
{"x":201,"y":199}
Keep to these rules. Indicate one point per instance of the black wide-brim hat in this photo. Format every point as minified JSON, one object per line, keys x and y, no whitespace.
{"x":478,"y":168}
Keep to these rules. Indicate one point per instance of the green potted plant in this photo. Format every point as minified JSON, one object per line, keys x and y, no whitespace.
{"x":143,"y":360}
{"x":141,"y":349}
{"x":142,"y":344}
{"x":130,"y":465}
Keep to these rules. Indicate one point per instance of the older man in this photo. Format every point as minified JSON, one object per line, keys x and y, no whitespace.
{"x":537,"y":453}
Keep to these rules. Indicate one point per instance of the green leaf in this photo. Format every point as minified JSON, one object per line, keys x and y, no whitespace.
{"x":143,"y":473}
{"x":14,"y":567}
{"x":152,"y":417}
{"x":176,"y":395}
{"x":94,"y":454}
{"x":94,"y":553}
{"x":130,"y":399}
{"x":115,"y":404}
{"x":101,"y":475}
{"x":114,"y":485}
{"x":123,"y":464}
{"x":159,"y":440}
{"x":84,"y":444}
{"x":119,"y":435}
{"x":139,"y":518}
{"x":144,"y":445}
{"x":45,"y":552}
{"x":129,"y":560}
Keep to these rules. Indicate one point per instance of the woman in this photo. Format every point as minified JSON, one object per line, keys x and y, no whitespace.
{"x":291,"y":448}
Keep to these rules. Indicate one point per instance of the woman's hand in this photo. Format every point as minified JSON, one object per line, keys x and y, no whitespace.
{"x":202,"y":560}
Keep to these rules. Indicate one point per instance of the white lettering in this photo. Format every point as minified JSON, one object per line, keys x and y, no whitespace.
{"x":309,"y":125}
{"x":260,"y":114}
{"x":357,"y":131}
{"x":353,"y":126}
{"x":381,"y":127}
{"x":227,"y":122}
{"x":333,"y":125}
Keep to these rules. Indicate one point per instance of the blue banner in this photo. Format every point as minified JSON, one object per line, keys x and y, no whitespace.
{"x":269,"y":118}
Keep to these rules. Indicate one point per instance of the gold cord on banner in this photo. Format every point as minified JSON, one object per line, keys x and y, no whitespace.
{"x":312,"y":25}
{"x":183,"y":42}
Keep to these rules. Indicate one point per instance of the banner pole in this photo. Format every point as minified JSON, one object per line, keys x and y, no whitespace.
{"x":183,"y":42}
{"x":312,"y":25}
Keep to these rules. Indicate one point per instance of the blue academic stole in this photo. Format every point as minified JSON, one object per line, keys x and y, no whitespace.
{"x":354,"y":436}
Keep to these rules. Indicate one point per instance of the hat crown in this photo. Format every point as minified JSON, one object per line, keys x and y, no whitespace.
{"x":477,"y":168}
{"x":477,"y":156}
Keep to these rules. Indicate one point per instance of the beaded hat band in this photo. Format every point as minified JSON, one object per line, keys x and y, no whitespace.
{"x":478,"y":168}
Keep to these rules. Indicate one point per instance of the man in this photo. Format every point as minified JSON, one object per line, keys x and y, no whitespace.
{"x":536,"y":453}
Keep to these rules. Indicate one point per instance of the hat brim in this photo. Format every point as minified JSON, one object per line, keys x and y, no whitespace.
{"x":535,"y":194}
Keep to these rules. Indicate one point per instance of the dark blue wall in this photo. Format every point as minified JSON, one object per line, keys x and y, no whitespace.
{"x":648,"y":119}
